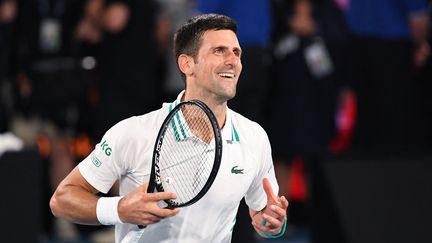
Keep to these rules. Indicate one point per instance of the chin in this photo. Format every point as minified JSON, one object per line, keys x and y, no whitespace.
{"x":230,"y":96}
{"x":226,"y":96}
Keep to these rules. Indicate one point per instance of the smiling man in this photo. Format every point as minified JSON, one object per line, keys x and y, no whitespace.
{"x":208,"y":56}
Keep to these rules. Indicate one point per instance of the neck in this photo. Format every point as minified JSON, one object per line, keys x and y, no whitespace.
{"x":217,"y":106}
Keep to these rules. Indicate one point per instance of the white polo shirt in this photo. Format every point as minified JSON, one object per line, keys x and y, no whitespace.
{"x":125,"y":154}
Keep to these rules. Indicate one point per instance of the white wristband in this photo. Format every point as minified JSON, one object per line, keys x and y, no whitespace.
{"x":107,"y":212}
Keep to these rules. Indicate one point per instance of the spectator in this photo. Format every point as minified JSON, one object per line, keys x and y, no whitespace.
{"x":129,"y":61}
{"x":309,"y":73}
{"x":176,"y":12}
{"x":389,"y":41}
{"x":8,"y":11}
{"x":49,"y":84}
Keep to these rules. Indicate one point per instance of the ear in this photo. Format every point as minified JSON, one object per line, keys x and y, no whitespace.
{"x":186,"y":64}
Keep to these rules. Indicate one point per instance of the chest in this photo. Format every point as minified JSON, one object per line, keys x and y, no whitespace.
{"x":236,"y":174}
{"x":237,"y":171}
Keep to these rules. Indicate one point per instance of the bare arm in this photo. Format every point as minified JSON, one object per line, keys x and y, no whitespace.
{"x":75,"y":200}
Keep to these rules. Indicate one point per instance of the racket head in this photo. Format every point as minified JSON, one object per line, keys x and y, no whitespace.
{"x":187,"y":153}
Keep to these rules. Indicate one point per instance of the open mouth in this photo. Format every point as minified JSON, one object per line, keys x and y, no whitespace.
{"x":227,"y":75}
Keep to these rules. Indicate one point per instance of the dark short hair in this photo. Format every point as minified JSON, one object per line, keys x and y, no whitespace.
{"x":187,"y":39}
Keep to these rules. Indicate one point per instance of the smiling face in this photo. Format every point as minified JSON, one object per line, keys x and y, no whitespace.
{"x":215,"y":70}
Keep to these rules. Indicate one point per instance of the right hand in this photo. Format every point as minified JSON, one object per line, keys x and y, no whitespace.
{"x":141,"y":208}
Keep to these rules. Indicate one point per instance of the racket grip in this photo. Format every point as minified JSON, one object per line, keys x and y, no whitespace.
{"x":133,"y":236}
{"x":142,"y":226}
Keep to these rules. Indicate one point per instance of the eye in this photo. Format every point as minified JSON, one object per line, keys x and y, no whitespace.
{"x":219,"y":50}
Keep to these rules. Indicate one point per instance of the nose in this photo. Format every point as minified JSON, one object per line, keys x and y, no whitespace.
{"x":232,"y":59}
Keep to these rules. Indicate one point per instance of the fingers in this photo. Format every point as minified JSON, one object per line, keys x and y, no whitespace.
{"x":152,"y":214}
{"x":163,"y":212}
{"x":149,"y":213}
{"x":150,"y":219}
{"x":269,"y":228}
{"x":156,"y":215}
{"x":284,"y":202}
{"x":260,"y":227}
{"x":159,"y":196}
{"x":158,"y":211}
{"x":140,"y":207}
{"x":272,"y":222}
{"x":271,"y":197}
{"x":144,"y":187}
{"x":274,"y":216}
{"x":277,"y":212}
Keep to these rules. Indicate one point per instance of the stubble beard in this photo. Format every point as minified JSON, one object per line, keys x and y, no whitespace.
{"x":226,"y":92}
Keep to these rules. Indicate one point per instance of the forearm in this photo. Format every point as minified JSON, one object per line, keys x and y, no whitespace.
{"x":75,"y":204}
{"x":75,"y":199}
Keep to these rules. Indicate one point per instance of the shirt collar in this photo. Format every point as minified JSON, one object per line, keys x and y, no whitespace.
{"x":229,"y":131}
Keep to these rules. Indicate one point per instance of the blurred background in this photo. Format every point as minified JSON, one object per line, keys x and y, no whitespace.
{"x":341,"y":87}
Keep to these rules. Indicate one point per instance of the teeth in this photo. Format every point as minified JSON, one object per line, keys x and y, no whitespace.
{"x":226,"y":75}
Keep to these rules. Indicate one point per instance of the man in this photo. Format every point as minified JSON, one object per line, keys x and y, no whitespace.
{"x":255,"y":81}
{"x":208,"y":56}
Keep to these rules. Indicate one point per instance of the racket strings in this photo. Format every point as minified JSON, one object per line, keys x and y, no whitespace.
{"x":190,"y":183}
{"x":186,"y":163}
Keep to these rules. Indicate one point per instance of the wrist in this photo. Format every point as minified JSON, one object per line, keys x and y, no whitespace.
{"x":270,"y":235}
{"x":107,"y":210}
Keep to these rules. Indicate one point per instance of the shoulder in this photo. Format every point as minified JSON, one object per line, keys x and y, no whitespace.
{"x":250,"y":130}
{"x":136,"y":128}
{"x":248,"y":126}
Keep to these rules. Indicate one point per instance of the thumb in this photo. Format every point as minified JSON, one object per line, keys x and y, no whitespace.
{"x":144,"y":187}
{"x":271,"y":197}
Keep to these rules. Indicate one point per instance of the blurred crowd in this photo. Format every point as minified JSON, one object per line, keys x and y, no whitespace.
{"x":321,"y":76}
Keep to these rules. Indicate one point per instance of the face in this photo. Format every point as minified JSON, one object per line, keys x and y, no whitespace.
{"x":217,"y":67}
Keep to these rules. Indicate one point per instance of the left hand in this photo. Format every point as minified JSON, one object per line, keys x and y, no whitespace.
{"x":274,"y":213}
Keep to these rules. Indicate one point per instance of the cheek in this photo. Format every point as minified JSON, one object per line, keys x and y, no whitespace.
{"x":210,"y":69}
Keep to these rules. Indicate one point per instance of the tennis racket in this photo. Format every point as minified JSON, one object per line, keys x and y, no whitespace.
{"x":186,"y":156}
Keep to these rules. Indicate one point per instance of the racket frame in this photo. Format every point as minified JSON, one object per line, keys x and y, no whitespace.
{"x":155,"y":180}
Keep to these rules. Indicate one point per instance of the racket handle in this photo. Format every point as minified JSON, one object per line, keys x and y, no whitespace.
{"x":142,"y":226}
{"x":133,"y":236}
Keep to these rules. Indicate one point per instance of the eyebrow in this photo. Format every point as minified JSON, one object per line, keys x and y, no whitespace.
{"x":236,"y":49}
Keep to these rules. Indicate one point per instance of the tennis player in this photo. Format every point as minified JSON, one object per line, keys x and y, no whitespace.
{"x":208,"y":56}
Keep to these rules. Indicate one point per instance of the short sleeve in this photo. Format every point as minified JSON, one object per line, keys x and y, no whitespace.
{"x":255,"y":197}
{"x":106,"y":163}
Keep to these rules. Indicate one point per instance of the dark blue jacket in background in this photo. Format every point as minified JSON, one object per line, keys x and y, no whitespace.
{"x":383,"y":18}
{"x":252,"y":16}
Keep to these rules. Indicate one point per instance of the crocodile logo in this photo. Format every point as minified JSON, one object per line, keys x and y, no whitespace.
{"x":234,"y":170}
